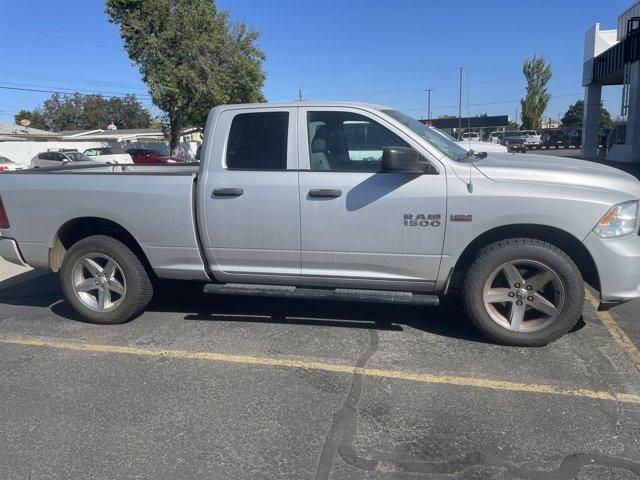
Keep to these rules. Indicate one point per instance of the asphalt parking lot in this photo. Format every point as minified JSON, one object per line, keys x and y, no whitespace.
{"x":235,"y":387}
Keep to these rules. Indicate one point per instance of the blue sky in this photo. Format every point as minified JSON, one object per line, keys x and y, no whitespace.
{"x":378,"y":51}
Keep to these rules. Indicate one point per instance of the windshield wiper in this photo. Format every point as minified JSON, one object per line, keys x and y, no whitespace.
{"x":471,"y":153}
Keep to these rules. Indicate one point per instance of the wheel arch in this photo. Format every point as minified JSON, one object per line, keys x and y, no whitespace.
{"x":79,"y":228}
{"x":573,"y":247}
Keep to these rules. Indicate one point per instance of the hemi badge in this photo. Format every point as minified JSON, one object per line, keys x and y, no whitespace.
{"x":461,"y":218}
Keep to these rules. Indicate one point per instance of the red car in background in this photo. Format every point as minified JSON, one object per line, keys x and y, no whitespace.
{"x":147,"y":156}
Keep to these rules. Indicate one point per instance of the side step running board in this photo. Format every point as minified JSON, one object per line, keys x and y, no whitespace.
{"x":283,"y":291}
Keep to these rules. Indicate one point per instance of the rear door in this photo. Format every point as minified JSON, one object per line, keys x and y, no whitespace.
{"x":50,"y":159}
{"x":251,"y":204}
{"x":359,"y":223}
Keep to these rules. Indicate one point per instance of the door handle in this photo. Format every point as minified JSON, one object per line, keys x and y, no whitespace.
{"x":325,"y":193}
{"x":227,"y":192}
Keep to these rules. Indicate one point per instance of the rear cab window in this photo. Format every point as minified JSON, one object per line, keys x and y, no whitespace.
{"x":258,"y":141}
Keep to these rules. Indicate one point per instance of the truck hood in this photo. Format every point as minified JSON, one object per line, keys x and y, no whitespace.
{"x":524,"y":168}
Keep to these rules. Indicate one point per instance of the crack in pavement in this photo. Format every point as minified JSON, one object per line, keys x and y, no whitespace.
{"x":343,"y":427}
{"x":341,"y":434}
{"x":573,"y":463}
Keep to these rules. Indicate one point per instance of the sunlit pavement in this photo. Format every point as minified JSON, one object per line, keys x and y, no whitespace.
{"x":235,"y":387}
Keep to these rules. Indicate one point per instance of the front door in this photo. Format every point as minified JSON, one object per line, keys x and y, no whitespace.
{"x":252,"y":210}
{"x":358,"y":222}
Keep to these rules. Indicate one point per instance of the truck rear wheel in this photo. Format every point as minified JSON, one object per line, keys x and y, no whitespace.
{"x":523,"y":292}
{"x":104,"y":281}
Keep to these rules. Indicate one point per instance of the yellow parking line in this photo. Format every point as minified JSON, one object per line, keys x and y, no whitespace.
{"x":327,"y":367}
{"x":616,"y":332}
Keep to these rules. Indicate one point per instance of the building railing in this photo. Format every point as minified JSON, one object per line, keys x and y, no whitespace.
{"x":612,"y":61}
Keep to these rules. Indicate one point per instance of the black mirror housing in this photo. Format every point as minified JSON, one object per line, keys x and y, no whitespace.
{"x":403,"y":160}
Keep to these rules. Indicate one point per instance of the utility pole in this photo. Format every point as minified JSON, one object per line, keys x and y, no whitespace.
{"x":429,"y":90}
{"x":299,"y":94}
{"x":460,"y":104}
{"x":516,"y":119}
{"x":558,"y":119}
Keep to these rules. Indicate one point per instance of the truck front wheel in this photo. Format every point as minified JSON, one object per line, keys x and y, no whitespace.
{"x":104,"y":281}
{"x":523,"y":292}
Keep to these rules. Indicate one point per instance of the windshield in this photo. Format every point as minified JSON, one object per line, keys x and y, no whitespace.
{"x":77,"y":157}
{"x":110,"y":151}
{"x":435,"y":137}
{"x":5,"y":161}
{"x":514,"y":134}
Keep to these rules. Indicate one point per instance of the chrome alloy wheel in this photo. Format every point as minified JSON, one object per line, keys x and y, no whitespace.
{"x":98,"y":282}
{"x":523,"y":295}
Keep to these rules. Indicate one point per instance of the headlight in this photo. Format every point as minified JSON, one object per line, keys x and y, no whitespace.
{"x":620,"y":220}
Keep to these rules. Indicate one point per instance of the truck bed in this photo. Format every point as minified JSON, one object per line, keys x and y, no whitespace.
{"x":155,"y":204}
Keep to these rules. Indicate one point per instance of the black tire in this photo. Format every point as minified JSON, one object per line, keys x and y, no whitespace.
{"x":492,"y":257}
{"x":139,"y":289}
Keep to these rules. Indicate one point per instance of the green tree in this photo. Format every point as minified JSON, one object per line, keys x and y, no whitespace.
{"x":87,"y":112}
{"x":537,"y":73}
{"x":605,"y":118}
{"x":191,"y":56}
{"x":573,"y":116}
{"x":35,"y":116}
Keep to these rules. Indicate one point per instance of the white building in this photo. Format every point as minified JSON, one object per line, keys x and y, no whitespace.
{"x":612,"y":57}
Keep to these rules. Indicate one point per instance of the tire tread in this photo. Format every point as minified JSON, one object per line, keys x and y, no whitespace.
{"x":484,"y":257}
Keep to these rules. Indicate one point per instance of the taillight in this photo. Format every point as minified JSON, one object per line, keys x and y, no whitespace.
{"x":3,"y":168}
{"x":4,"y":221}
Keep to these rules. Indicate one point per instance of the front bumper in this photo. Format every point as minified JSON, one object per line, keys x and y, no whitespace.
{"x":618,"y":264}
{"x":10,"y":252}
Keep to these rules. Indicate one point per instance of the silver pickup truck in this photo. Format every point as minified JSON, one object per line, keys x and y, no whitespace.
{"x":335,"y":201}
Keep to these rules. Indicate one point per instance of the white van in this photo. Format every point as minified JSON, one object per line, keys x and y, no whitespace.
{"x":473,"y":136}
{"x":109,"y":155}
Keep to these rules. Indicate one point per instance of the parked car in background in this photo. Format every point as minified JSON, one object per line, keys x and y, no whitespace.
{"x":109,"y":155}
{"x":495,"y":137}
{"x":148,"y":156}
{"x":479,"y":147}
{"x":617,"y":136}
{"x":575,"y":138}
{"x":533,"y":139}
{"x":56,"y":158}
{"x":7,"y":165}
{"x":472,"y":136}
{"x":476,"y":146}
{"x":555,"y":138}
{"x":602,"y":136}
{"x":515,"y":141}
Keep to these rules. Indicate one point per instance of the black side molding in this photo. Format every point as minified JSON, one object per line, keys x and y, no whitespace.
{"x":352,"y":295}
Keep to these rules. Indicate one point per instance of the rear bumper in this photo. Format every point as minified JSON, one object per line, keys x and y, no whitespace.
{"x":10,"y":252}
{"x":618,"y":264}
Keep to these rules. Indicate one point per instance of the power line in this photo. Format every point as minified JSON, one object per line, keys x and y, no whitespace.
{"x":41,"y":30}
{"x":442,"y":107}
{"x":65,"y":93}
{"x":71,"y":91}
{"x":52,"y":45}
{"x":65,"y":78}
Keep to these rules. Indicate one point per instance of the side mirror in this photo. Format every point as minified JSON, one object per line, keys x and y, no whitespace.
{"x":403,"y":160}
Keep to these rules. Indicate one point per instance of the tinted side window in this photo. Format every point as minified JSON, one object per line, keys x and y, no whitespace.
{"x":258,"y":141}
{"x":348,"y":142}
